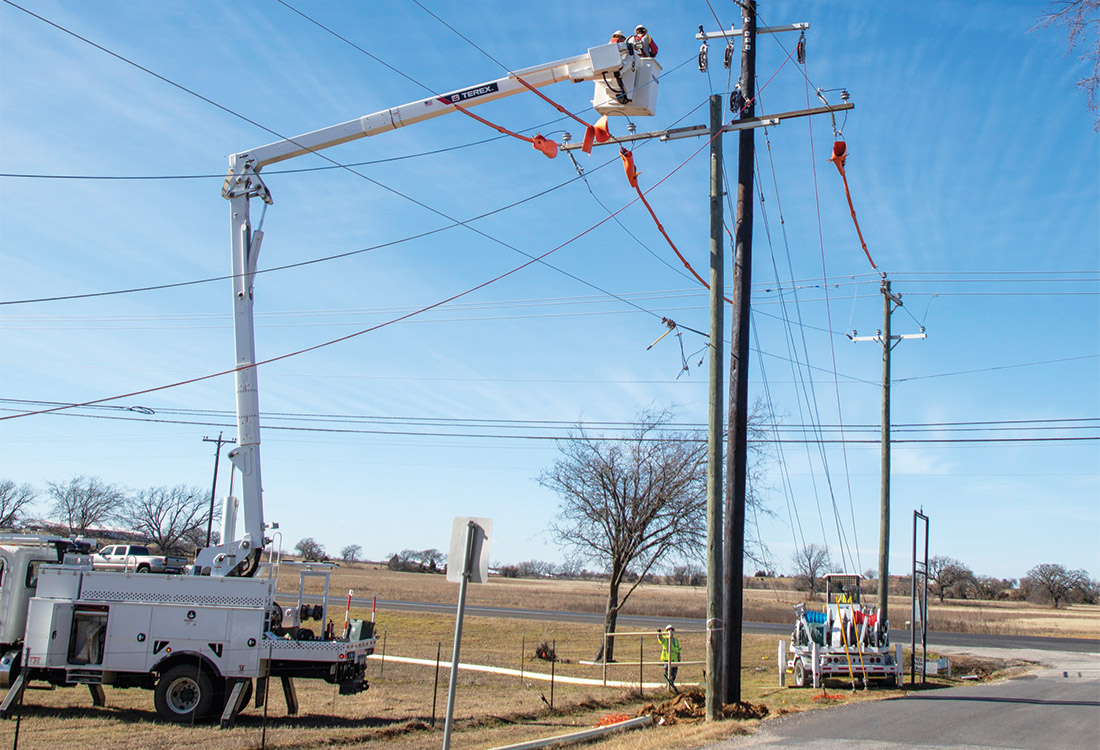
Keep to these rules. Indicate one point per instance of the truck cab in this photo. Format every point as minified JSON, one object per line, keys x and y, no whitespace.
{"x":21,"y":557}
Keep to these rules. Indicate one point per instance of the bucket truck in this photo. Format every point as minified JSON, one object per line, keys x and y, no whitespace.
{"x":202,"y":639}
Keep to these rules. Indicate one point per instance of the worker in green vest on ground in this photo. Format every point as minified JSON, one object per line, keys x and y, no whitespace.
{"x":670,"y":655}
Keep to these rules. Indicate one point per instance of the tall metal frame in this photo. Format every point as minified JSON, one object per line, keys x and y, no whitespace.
{"x":919,"y":604}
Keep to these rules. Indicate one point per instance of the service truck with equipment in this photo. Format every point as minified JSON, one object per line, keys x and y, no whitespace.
{"x":200,"y":640}
{"x":847,"y":640}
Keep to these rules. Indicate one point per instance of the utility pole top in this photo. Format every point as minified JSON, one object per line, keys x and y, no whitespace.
{"x":705,"y":35}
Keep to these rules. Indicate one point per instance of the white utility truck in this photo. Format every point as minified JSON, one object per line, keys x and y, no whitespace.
{"x":201,"y":640}
{"x":136,"y":557}
{"x":847,"y":640}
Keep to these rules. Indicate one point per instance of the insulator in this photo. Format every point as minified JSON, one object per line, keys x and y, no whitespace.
{"x":737,"y":100}
{"x":631,"y":128}
{"x":703,"y":57}
{"x":727,"y":58}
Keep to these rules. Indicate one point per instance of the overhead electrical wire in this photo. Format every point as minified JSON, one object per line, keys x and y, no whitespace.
{"x":359,"y":174}
{"x":566,"y":436}
{"x":330,"y":342}
{"x":1058,"y":425}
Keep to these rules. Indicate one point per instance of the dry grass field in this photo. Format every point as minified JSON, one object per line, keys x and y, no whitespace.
{"x":761,"y":605}
{"x":491,"y":710}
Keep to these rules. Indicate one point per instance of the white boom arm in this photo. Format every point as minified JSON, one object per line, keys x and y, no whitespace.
{"x":240,"y":556}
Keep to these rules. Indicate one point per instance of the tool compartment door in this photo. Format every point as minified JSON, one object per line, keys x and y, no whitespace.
{"x":129,"y":648}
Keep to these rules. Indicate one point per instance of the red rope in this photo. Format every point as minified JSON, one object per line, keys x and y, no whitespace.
{"x":840,"y":154}
{"x":597,"y":133}
{"x":632,"y":178}
{"x":540,"y":143}
{"x":551,"y":102}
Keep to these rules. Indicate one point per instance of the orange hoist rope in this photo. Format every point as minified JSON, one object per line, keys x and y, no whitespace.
{"x":597,"y":133}
{"x":632,"y":178}
{"x":539,"y":143}
{"x":840,"y":154}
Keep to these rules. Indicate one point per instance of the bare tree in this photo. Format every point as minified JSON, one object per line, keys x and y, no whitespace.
{"x":949,"y":577}
{"x":630,"y":503}
{"x":1081,"y":19}
{"x":810,"y":563}
{"x":310,"y":549}
{"x":990,"y":587}
{"x":432,"y":559}
{"x":1056,"y":582}
{"x":351,"y":552}
{"x":83,"y":503}
{"x":170,"y":516}
{"x":14,"y":498}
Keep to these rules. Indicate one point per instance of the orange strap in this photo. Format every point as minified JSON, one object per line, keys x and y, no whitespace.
{"x":632,"y":178}
{"x":539,"y":143}
{"x":840,"y":154}
{"x":597,"y":133}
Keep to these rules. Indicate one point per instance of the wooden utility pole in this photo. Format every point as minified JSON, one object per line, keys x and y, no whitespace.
{"x":884,"y":480}
{"x":214,"y":486}
{"x":726,"y":527}
{"x":890,"y":302}
{"x":715,"y":463}
{"x":736,"y":449}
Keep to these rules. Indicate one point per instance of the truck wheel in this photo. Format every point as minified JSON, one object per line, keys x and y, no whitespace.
{"x":143,"y":569}
{"x":799,"y":673}
{"x":184,"y":694}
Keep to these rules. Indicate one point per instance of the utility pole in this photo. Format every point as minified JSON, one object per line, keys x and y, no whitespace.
{"x":726,"y":527}
{"x":715,"y":463}
{"x":214,"y":486}
{"x":737,"y":434}
{"x":890,"y":302}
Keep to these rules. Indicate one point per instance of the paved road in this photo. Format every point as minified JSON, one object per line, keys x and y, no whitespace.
{"x":780,"y":630}
{"x":1058,"y":707}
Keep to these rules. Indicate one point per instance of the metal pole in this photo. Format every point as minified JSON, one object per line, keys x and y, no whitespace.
{"x":736,"y":453}
{"x":522,"y":655}
{"x":605,"y":656}
{"x":715,"y":462}
{"x":435,"y":690}
{"x":884,"y":521}
{"x":553,"y":664}
{"x":912,"y":609}
{"x":467,"y":565}
{"x":924,"y":604}
{"x":641,"y":664}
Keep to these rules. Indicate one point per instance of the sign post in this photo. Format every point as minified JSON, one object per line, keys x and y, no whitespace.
{"x":470,"y":548}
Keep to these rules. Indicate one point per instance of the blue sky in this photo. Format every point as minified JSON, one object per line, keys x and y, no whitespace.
{"x":974,"y":171}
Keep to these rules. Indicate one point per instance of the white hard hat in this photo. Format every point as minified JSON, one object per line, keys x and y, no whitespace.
{"x":669,"y":627}
{"x":639,"y":27}
{"x":618,"y":33}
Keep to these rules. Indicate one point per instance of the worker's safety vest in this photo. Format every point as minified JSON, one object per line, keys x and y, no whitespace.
{"x":675,"y":648}
{"x":645,"y":45}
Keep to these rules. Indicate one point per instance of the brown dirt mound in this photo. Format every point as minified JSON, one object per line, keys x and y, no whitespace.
{"x":691,"y":706}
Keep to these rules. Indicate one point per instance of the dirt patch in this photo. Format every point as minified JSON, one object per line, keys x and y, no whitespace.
{"x":691,"y":706}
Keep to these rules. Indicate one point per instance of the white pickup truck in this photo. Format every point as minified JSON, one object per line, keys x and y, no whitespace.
{"x":136,"y":557}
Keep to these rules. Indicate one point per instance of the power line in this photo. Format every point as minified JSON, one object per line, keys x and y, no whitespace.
{"x":566,"y":436}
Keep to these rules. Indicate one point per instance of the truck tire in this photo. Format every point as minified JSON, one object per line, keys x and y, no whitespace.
{"x":184,"y":694}
{"x":799,"y":673}
{"x":143,"y":569}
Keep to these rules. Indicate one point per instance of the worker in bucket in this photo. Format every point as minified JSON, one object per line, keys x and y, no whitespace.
{"x":670,"y":655}
{"x":643,"y":42}
{"x":618,"y":38}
